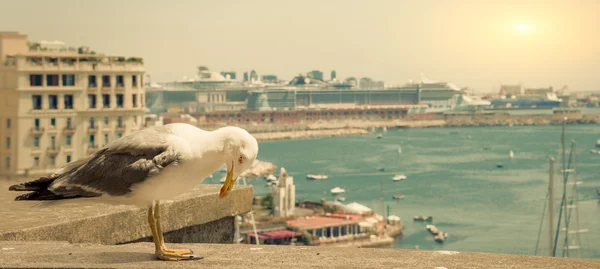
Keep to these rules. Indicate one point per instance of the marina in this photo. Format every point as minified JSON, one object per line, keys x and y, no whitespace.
{"x":467,"y":195}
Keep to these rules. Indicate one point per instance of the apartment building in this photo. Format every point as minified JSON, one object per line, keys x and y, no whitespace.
{"x":59,"y":104}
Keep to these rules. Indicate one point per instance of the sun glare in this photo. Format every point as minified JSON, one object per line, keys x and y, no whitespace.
{"x":523,"y":27}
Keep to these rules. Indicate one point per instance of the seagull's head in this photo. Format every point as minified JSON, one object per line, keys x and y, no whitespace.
{"x":240,"y":150}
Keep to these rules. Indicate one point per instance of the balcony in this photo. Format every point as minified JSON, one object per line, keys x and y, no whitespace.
{"x":120,"y":87}
{"x":52,"y":130}
{"x":120,"y":128}
{"x":53,"y":150}
{"x":69,"y":130}
{"x":106,"y":128}
{"x":93,"y":129}
{"x":106,"y":87}
{"x":37,"y":130}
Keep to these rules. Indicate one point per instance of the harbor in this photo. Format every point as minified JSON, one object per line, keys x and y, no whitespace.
{"x":467,"y":196}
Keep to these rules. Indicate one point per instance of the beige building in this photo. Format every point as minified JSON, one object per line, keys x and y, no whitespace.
{"x":59,"y":104}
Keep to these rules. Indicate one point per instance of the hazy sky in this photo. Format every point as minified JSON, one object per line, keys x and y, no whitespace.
{"x":470,"y":43}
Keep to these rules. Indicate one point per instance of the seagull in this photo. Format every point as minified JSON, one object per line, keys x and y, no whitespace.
{"x":148,"y":166}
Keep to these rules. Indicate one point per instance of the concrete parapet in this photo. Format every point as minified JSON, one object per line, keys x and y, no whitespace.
{"x":199,"y":216}
{"x":141,"y":255}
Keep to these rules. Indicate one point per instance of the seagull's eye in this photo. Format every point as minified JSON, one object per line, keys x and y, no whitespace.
{"x":240,"y":159}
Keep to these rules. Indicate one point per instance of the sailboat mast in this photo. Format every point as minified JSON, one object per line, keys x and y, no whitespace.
{"x":564,"y":170}
{"x":551,"y":206}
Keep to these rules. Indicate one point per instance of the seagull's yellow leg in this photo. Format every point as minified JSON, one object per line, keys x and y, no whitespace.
{"x":176,"y":254}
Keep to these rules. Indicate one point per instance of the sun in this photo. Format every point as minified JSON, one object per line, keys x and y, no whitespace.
{"x":523,"y":27}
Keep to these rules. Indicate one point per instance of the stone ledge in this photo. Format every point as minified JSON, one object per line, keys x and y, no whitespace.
{"x":140,"y":255}
{"x":81,"y":221}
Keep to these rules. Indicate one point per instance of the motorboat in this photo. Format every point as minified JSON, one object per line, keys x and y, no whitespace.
{"x":316,"y":177}
{"x":511,"y":155}
{"x":500,"y":165}
{"x":341,"y":199}
{"x":379,"y":136}
{"x":337,"y":190}
{"x":399,"y":177}
{"x":423,"y":218}
{"x":398,"y":196}
{"x":271,"y":177}
{"x":381,"y":169}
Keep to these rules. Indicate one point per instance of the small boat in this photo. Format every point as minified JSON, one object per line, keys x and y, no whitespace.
{"x":316,"y":177}
{"x":381,"y":169}
{"x":598,"y":143}
{"x":423,"y":218}
{"x":398,"y":196}
{"x":341,"y":199}
{"x":594,"y":151}
{"x":500,"y":165}
{"x":384,"y":129}
{"x":440,"y":237}
{"x":399,"y":150}
{"x":269,"y":183}
{"x":271,"y":177}
{"x":379,"y":136}
{"x":337,"y":190}
{"x":399,"y":177}
{"x":511,"y":155}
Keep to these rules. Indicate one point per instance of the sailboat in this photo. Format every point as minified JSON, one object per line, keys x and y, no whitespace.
{"x":511,"y":155}
{"x":384,"y":129}
{"x":399,"y":150}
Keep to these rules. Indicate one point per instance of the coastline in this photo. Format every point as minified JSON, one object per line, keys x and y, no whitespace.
{"x":361,"y":127}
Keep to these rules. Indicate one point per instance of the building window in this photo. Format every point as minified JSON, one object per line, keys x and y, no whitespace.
{"x":134,"y":81}
{"x":105,"y":81}
{"x":92,"y":138}
{"x":119,"y":121}
{"x":36,"y":123}
{"x":106,"y":100}
{"x":36,"y":141}
{"x":92,"y":123}
{"x":119,"y":100}
{"x":52,"y":160}
{"x":52,"y":80}
{"x":92,"y":100}
{"x":105,"y":139}
{"x":8,"y":142}
{"x":105,"y":120}
{"x":36,"y":162}
{"x":53,"y":101}
{"x":68,"y":123}
{"x":120,"y":82}
{"x":119,"y":135}
{"x":134,"y":100}
{"x":68,"y":158}
{"x":92,"y":81}
{"x":68,"y":101}
{"x":68,"y":140}
{"x":37,"y":102}
{"x":7,"y":162}
{"x":8,"y":123}
{"x":52,"y":142}
{"x":36,"y":80}
{"x":53,"y":122}
{"x":68,"y":80}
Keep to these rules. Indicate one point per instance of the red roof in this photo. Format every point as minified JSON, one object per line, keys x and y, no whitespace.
{"x":324,"y":221}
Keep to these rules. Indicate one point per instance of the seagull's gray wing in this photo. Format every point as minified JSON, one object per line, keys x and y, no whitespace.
{"x":114,"y":169}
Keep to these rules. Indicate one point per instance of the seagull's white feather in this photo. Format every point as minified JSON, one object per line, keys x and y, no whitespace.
{"x":152,"y":164}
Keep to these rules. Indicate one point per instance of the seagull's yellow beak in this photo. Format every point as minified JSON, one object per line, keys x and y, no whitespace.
{"x":229,"y":182}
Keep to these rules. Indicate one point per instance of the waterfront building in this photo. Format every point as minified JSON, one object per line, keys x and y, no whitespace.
{"x":316,"y":74}
{"x":59,"y":104}
{"x":284,"y":195}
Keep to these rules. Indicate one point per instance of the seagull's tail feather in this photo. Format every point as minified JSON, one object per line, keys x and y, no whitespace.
{"x":36,"y":185}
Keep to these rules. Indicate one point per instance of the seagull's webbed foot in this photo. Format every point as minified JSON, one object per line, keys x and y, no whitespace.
{"x":177,"y":251}
{"x":168,"y":256}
